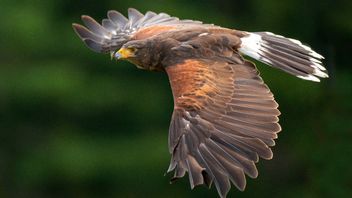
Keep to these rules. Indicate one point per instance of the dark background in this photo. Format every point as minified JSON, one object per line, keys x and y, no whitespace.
{"x":75,"y":124}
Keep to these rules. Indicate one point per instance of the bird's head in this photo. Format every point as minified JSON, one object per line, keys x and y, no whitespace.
{"x":137,"y":52}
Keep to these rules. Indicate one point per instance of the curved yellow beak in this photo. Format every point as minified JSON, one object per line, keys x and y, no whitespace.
{"x":124,"y":53}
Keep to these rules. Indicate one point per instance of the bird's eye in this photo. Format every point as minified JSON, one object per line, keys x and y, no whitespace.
{"x":132,"y":49}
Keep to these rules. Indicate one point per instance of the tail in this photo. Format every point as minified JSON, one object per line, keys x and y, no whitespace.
{"x":287,"y":54}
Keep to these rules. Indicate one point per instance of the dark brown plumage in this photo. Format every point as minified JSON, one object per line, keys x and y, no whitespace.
{"x":224,"y":116}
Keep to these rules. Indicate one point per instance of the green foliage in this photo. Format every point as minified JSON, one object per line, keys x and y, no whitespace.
{"x":75,"y":124}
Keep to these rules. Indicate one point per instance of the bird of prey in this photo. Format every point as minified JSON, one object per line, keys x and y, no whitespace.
{"x":225,"y":117}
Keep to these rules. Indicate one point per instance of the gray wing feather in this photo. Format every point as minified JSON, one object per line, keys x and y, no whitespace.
{"x":117,"y":18}
{"x":149,"y":15}
{"x":84,"y":33}
{"x":94,"y":26}
{"x":117,"y":29}
{"x":109,"y":25}
{"x":133,"y":16}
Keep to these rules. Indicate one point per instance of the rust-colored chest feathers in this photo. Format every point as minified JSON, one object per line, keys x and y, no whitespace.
{"x":225,"y":117}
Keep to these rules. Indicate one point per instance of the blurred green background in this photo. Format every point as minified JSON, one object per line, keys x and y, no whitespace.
{"x":75,"y":124}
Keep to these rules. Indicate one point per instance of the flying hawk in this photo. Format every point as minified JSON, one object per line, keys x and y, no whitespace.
{"x":225,"y":117}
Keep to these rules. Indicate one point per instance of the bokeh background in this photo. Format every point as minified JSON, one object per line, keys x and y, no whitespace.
{"x":75,"y":124}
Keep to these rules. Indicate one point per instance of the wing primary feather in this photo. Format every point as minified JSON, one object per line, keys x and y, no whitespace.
{"x":134,"y":15}
{"x":149,"y":15}
{"x":227,"y":141}
{"x":194,"y":171}
{"x":84,"y":33}
{"x":109,"y":25}
{"x":221,"y":179}
{"x":117,"y":18}
{"x":232,"y":166}
{"x":93,"y":45}
{"x":94,"y":26}
{"x":247,"y":165}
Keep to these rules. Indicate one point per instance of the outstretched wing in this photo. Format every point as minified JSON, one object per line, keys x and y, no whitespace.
{"x":224,"y":119}
{"x":117,"y":29}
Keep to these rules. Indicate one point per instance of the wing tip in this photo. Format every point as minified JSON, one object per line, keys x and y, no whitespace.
{"x":80,"y":30}
{"x":130,"y":9}
{"x":75,"y":26}
{"x":310,"y":78}
{"x":86,"y":17}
